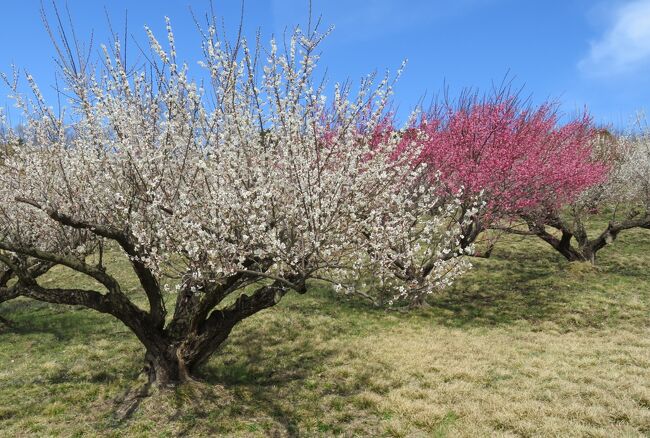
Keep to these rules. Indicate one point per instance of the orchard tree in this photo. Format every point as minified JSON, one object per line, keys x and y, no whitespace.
{"x":224,"y":194}
{"x":624,"y":195}
{"x":506,"y":160}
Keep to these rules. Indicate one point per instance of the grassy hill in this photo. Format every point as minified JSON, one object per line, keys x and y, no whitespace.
{"x":525,"y":344}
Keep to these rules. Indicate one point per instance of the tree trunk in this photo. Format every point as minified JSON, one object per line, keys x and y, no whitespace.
{"x":571,"y":254}
{"x":176,"y":358}
{"x":588,"y":254}
{"x":586,"y":249}
{"x":562,"y":245}
{"x":173,"y":353}
{"x":166,"y":368}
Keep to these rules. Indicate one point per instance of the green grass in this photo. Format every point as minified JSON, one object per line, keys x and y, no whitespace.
{"x":523,"y":345}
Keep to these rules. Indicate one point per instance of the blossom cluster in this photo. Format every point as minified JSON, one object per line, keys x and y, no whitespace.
{"x":252,"y":172}
{"x":518,"y":159}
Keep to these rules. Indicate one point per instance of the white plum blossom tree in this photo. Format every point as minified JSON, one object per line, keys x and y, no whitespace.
{"x":238,"y":189}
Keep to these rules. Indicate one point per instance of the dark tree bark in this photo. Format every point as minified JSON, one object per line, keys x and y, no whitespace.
{"x":183,"y":348}
{"x":175,"y":352}
{"x":174,"y":349}
{"x":584,"y":249}
{"x":35,"y":268}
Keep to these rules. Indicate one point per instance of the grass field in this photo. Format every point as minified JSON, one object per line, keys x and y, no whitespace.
{"x":524,"y":345}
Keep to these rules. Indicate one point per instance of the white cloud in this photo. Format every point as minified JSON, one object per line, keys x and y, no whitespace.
{"x":625,"y":44}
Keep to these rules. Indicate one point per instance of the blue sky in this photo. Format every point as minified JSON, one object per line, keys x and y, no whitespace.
{"x":582,"y":53}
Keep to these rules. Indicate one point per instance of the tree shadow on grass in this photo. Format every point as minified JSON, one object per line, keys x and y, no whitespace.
{"x":65,"y":323}
{"x":528,"y":283}
{"x":502,"y":295}
{"x":261,"y":376}
{"x":638,"y":269}
{"x":493,"y":293}
{"x":268,"y":362}
{"x":252,"y":384}
{"x":534,"y":284}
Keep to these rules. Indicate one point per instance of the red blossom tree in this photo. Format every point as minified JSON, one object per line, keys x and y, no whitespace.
{"x":511,"y":161}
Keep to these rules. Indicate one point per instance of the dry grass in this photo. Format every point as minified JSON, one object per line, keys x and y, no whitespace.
{"x":526,"y":345}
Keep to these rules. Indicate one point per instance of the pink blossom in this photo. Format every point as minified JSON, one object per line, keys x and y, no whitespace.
{"x":516,"y":159}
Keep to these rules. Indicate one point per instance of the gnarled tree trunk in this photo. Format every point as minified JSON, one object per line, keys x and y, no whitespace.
{"x":174,"y":351}
{"x":586,"y":248}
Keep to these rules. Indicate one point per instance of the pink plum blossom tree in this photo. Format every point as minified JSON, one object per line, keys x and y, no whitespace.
{"x":514,"y":161}
{"x":623,"y":195}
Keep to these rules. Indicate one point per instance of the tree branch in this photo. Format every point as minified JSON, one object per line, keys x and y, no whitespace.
{"x":71,"y":262}
{"x":147,"y":280}
{"x":614,"y":228}
{"x":97,"y":229}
